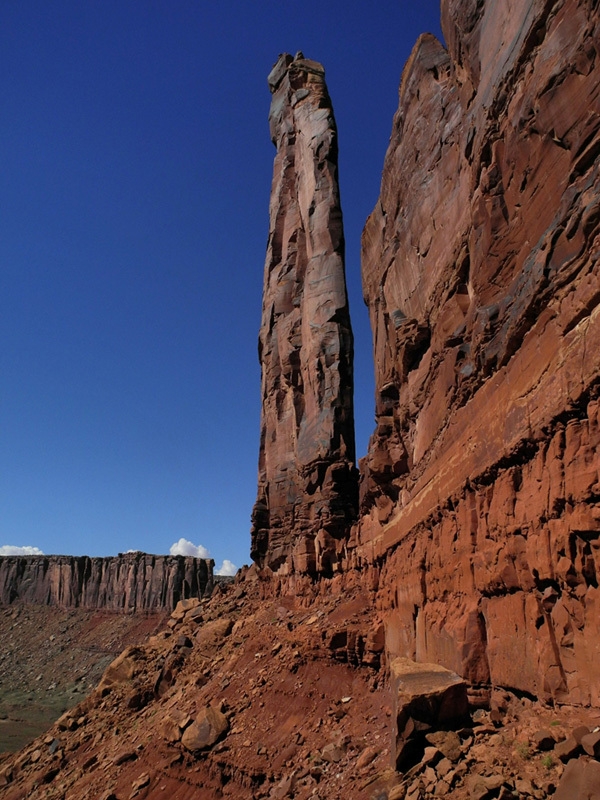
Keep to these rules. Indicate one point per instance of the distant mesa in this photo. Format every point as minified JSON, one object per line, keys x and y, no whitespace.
{"x":128,"y":582}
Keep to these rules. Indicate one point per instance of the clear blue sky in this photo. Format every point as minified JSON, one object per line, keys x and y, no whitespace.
{"x":135,"y":176}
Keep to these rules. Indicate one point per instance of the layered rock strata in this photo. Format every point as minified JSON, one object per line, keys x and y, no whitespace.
{"x":307,"y":488}
{"x":128,"y":582}
{"x":480,"y":497}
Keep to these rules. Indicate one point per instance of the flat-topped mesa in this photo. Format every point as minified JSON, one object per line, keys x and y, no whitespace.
{"x":128,"y":582}
{"x":307,"y":482}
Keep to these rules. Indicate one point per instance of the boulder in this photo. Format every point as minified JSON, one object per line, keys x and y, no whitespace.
{"x":579,"y":781}
{"x":121,"y":670}
{"x":543,"y":740}
{"x":210,"y":635}
{"x":426,"y":697}
{"x":206,"y":730}
{"x":591,"y":744}
{"x":567,"y":749}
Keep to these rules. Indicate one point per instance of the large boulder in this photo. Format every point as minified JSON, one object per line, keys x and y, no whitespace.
{"x":210,"y":635}
{"x":580,"y":780}
{"x":426,"y":697}
{"x":206,"y":730}
{"x":121,"y":670}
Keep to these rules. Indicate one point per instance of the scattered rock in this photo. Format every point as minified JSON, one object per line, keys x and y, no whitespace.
{"x":544,"y":740}
{"x":567,"y":749}
{"x":397,"y":793}
{"x":140,"y":783}
{"x":579,"y":732}
{"x":54,"y":745}
{"x":124,"y":756}
{"x":481,"y":787}
{"x":444,"y":767}
{"x":120,"y":671}
{"x":332,"y":752}
{"x":208,"y":727}
{"x":183,"y":606}
{"x":591,"y":744}
{"x":368,"y":755}
{"x":211,"y":634}
{"x":50,"y":774}
{"x":447,"y":742}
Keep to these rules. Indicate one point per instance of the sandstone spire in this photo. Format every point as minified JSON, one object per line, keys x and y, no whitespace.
{"x":307,"y":483}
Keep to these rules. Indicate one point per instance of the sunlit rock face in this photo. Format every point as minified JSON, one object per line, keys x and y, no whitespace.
{"x":307,"y":485}
{"x":480,"y":494}
{"x":127,"y":582}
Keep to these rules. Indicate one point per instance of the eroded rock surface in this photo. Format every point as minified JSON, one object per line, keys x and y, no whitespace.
{"x":128,"y":582}
{"x":480,"y":492}
{"x":307,"y":492}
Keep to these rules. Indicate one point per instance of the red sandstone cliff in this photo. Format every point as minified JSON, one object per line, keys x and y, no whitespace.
{"x":307,"y":492}
{"x":480,"y":498}
{"x":128,"y":582}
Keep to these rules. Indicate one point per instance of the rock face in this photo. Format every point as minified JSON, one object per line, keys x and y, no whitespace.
{"x":307,"y":490}
{"x":128,"y":582}
{"x":480,"y":496}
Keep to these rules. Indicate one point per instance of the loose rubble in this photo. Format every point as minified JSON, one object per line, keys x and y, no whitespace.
{"x":245,"y":696}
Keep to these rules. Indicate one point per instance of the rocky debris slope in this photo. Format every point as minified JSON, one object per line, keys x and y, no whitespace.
{"x":50,"y":658}
{"x":246,"y":697}
{"x":127,"y":582}
{"x":480,"y":494}
{"x":308,"y":489}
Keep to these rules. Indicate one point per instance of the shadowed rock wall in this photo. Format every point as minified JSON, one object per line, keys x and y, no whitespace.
{"x":128,"y":582}
{"x":307,"y":486}
{"x":480,"y":497}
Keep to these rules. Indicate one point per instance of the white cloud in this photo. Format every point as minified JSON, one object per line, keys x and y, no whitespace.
{"x":227,"y":569}
{"x":13,"y":550}
{"x":186,"y":548}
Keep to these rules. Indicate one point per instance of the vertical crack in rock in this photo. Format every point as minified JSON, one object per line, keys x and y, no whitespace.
{"x":307,"y":483}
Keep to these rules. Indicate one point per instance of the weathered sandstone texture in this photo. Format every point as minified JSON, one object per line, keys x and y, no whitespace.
{"x":128,"y":582}
{"x":307,"y":485}
{"x":480,"y":497}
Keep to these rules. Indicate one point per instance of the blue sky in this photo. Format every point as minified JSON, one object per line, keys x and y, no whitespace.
{"x":135,"y":176}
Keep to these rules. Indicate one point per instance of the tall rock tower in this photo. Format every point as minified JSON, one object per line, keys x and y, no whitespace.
{"x":307,"y":482}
